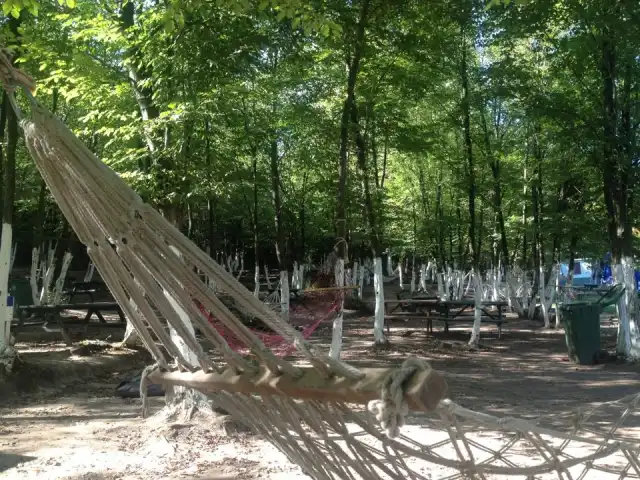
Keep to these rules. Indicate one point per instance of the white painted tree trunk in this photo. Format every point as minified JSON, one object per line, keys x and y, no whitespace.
{"x":88,"y":276}
{"x":183,"y":398}
{"x":477,"y":313}
{"x":363,"y":270}
{"x":378,"y":319}
{"x":356,"y":274}
{"x":423,"y":277}
{"x":7,"y":352}
{"x":284,"y":294}
{"x":469,"y":278}
{"x":515,"y":287}
{"x":543,"y":299}
{"x":495,"y":279}
{"x":389,"y":266}
{"x":295,"y":283}
{"x":14,"y":252}
{"x":256,"y":279}
{"x":400,"y":276}
{"x":301,"y":275}
{"x":47,"y":270}
{"x":412,"y":286}
{"x":557,"y":297}
{"x":336,"y":335}
{"x":628,"y":342}
{"x":59,"y":286}
{"x":441,"y":294}
{"x":33,"y":276}
{"x":266,"y":276}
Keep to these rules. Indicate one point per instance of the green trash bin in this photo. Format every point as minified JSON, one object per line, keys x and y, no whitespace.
{"x":582,"y":331}
{"x":582,"y":325}
{"x":20,"y":289}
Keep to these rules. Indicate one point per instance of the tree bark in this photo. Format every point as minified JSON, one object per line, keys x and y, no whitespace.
{"x":349,"y":104}
{"x":468,"y":150}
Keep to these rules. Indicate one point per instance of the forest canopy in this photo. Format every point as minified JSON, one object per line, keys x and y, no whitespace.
{"x":470,"y":132}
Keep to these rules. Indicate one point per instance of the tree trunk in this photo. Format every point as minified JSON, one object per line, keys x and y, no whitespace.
{"x":7,"y":353}
{"x":468,"y":149}
{"x":341,"y":221}
{"x":281,"y":254}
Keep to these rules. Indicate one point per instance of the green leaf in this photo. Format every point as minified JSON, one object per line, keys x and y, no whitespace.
{"x":295,"y":23}
{"x":71,"y":3}
{"x":263,"y":5}
{"x":6,"y":7}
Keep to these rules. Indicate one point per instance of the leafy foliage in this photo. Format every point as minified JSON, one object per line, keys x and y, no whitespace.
{"x":183,"y":97}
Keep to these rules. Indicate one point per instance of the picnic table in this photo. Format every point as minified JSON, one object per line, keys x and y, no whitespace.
{"x":85,"y":288}
{"x":52,"y":314}
{"x":431,"y":308}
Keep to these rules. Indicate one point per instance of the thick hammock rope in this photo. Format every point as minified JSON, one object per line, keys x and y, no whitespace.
{"x":315,"y":412}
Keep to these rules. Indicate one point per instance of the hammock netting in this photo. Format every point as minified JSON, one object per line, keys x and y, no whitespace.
{"x":149,"y":266}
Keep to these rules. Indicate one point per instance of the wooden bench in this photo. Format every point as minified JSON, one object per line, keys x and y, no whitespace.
{"x":453,"y":311}
{"x":420,"y":308}
{"x":52,"y":314}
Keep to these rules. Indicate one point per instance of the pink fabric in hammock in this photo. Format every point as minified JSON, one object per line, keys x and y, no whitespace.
{"x":299,"y":315}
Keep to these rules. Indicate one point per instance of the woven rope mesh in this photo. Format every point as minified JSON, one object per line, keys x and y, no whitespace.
{"x":150,"y":269}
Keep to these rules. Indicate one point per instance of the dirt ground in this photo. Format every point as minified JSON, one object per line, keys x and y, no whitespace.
{"x":62,"y":421}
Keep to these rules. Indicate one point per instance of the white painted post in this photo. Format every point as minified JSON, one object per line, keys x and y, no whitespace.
{"x":361,"y":284}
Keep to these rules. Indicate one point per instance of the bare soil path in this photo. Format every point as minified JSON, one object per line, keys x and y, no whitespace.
{"x":62,"y":421}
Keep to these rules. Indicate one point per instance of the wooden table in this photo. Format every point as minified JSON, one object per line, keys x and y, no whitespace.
{"x":445,"y":310}
{"x":451,"y":310}
{"x":52,"y":314}
{"x":85,"y":288}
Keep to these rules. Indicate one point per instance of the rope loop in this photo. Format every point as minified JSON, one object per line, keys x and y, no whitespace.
{"x":392,"y":409}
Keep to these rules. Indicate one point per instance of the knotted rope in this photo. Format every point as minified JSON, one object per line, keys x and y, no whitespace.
{"x":391,"y":410}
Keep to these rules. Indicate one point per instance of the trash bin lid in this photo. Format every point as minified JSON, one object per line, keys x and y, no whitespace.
{"x":612,"y":296}
{"x":577,"y":303}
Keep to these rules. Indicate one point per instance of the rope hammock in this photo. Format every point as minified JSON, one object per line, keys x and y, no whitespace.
{"x":332,"y":419}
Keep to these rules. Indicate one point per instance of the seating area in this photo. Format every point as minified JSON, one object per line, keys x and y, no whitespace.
{"x":430,"y":308}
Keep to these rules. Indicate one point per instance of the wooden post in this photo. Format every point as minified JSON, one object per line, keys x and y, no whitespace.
{"x":423,"y":392}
